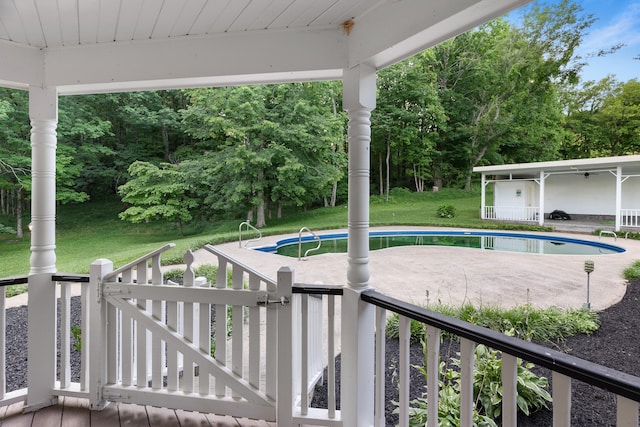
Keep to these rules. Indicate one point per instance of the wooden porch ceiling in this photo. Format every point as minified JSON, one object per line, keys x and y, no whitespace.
{"x":109,"y":45}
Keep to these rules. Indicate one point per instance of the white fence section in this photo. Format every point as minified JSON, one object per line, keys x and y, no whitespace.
{"x":153,"y":344}
{"x":512,"y":213}
{"x":630,"y":217}
{"x":564,"y":369}
{"x":7,"y":398}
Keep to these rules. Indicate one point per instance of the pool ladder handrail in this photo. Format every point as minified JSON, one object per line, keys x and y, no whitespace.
{"x":249,"y":226}
{"x":315,"y":237}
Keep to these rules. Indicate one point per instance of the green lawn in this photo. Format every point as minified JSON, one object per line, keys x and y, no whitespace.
{"x":92,"y":230}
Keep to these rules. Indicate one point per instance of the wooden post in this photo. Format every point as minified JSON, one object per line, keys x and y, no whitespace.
{"x":284,"y":409}
{"x":41,"y":330}
{"x":96,"y":340}
{"x":358,"y":318}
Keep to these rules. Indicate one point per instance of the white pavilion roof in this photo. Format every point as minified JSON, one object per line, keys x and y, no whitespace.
{"x":629,"y":164}
{"x":87,"y":46}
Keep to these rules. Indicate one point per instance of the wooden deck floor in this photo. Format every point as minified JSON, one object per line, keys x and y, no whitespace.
{"x":72,"y":412}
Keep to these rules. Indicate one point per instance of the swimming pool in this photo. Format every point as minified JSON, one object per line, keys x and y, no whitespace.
{"x":485,"y":240}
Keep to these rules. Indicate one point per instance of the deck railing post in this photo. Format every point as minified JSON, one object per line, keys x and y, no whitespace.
{"x":284,"y":408}
{"x":96,"y":340}
{"x":41,"y":342}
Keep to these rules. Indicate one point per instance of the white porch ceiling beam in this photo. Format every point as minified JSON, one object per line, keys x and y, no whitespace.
{"x":21,"y":66}
{"x":400,"y":29}
{"x":251,"y":57}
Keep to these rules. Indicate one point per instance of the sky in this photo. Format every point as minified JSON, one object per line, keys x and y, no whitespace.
{"x":618,"y":21}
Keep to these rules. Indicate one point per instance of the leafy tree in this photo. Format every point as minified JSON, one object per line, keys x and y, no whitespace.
{"x":619,"y":120}
{"x":264,"y":144}
{"x":405,"y":121}
{"x":157,"y":193}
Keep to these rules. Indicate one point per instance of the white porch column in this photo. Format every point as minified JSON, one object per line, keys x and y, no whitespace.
{"x":541,"y":202}
{"x":43,"y":111}
{"x":618,"y":197}
{"x":483,"y":197}
{"x":358,"y":318}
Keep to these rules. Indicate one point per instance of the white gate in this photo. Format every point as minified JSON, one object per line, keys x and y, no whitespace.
{"x":153,"y":344}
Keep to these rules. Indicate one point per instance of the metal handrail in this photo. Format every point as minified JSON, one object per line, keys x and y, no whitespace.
{"x":609,"y":233}
{"x":315,"y":237}
{"x":249,"y":226}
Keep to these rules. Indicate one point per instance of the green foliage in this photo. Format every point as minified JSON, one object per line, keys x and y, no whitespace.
{"x":76,"y":333}
{"x":446,"y":211}
{"x":157,"y":193}
{"x":633,"y":271}
{"x":525,"y":322}
{"x":487,"y":390}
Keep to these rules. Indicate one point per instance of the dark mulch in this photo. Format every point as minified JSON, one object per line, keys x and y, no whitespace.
{"x":616,"y":345}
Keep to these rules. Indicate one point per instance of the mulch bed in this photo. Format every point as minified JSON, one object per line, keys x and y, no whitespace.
{"x":616,"y":344}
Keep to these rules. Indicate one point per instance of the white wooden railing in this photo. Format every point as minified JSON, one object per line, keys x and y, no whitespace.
{"x":13,"y":396}
{"x":630,"y":217}
{"x":564,"y":368}
{"x":512,"y":213}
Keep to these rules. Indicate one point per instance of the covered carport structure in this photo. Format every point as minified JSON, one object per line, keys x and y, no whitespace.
{"x":604,"y":188}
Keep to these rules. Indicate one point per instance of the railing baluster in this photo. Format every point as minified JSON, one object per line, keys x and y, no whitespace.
{"x":331,"y":350}
{"x":204,"y":340}
{"x":84,"y":328}
{"x":237,"y":331}
{"x":157,"y":345}
{"x":304,"y":351}
{"x":561,"y":400}
{"x":141,"y":332}
{"x":626,"y":412}
{"x":509,"y":390}
{"x":221,"y":324}
{"x":404,"y":365}
{"x":188,"y":326}
{"x":433,"y":374}
{"x":255,"y":351}
{"x":467,"y":361}
{"x":380,"y":403}
{"x":127,"y":340}
{"x":65,"y":333}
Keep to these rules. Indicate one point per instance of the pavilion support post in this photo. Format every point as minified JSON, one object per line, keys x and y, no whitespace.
{"x":41,"y":330}
{"x":618,"y":198}
{"x":483,"y":199}
{"x":541,"y":201}
{"x":358,"y":318}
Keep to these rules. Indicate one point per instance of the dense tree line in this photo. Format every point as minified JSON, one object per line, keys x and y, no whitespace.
{"x":504,"y":92}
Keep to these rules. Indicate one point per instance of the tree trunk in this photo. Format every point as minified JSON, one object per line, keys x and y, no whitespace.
{"x":279,"y":214}
{"x":260,"y":219}
{"x":334,"y":194}
{"x":19,"y":233}
{"x":381,"y":174}
{"x":387,"y":165}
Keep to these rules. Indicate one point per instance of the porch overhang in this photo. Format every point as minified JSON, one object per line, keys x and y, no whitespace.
{"x":89,"y":48}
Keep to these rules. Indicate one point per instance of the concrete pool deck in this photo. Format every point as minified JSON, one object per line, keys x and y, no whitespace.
{"x":449,"y":275}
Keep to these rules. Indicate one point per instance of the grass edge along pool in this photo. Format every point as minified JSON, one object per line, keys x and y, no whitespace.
{"x":488,"y":240}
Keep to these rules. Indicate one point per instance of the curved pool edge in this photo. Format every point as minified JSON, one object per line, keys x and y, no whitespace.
{"x":272,"y":248}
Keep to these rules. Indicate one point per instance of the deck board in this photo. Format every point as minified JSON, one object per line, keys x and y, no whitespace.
{"x":108,"y":417}
{"x":72,"y":412}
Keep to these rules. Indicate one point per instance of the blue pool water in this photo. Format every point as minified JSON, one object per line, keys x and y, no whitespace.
{"x":485,"y":240}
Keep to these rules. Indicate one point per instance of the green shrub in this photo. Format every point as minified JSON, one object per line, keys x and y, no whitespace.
{"x":487,"y":389}
{"x":446,"y":211}
{"x":524,"y":322}
{"x":633,"y":271}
